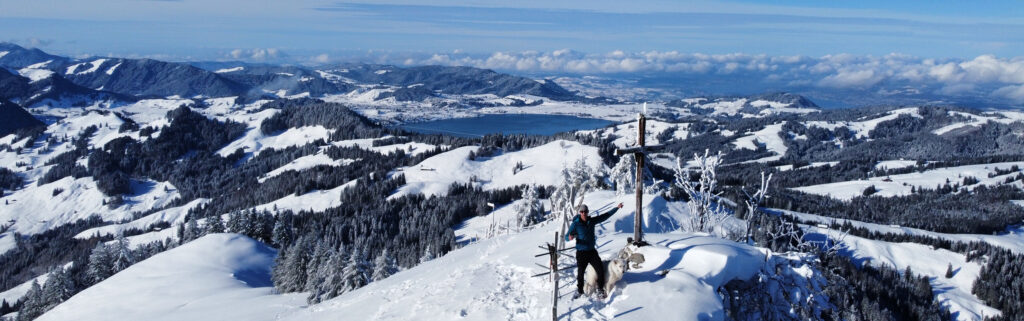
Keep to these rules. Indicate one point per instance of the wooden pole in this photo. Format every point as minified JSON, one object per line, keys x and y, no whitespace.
{"x":638,"y":234}
{"x":554,"y":270}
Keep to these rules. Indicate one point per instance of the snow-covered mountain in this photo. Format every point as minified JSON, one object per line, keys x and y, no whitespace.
{"x":105,"y":206}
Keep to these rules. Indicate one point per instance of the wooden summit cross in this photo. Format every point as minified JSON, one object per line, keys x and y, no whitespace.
{"x":639,"y":152}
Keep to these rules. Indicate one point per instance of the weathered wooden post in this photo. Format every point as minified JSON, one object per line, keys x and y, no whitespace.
{"x":553,"y":252}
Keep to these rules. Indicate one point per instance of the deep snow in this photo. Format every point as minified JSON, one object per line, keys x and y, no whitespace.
{"x":216,"y":277}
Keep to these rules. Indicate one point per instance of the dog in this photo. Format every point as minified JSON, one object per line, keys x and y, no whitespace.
{"x":613,"y":271}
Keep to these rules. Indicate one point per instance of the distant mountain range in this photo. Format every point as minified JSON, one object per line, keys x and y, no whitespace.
{"x":31,"y":76}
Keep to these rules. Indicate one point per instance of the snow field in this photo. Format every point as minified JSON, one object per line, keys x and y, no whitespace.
{"x":35,"y":209}
{"x":173,"y":215}
{"x":491,"y":279}
{"x":898,"y":185}
{"x":543,"y":165}
{"x":864,"y":127}
{"x":1012,"y":239}
{"x":978,"y":120}
{"x":769,"y":136}
{"x":307,"y":162}
{"x":626,"y":132}
{"x":216,"y":277}
{"x":954,"y":293}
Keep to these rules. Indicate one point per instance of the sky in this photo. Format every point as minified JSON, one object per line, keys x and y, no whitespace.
{"x":938,"y":47}
{"x":317,"y":30}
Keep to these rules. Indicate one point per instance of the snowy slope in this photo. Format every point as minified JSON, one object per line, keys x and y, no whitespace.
{"x":174,"y":215}
{"x":897,"y":185}
{"x":7,"y":242}
{"x":307,"y":162}
{"x":977,"y":120}
{"x":255,"y":141}
{"x":864,"y":127}
{"x":895,"y":164}
{"x":1012,"y":239}
{"x":954,"y":293}
{"x":434,"y":175}
{"x":35,"y":209}
{"x":217,"y":277}
{"x":410,"y":148}
{"x":491,"y":280}
{"x":626,"y":133}
{"x":16,"y":293}
{"x":316,"y":200}
{"x":769,"y":136}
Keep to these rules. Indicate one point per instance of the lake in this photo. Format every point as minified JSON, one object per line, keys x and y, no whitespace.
{"x":529,"y":124}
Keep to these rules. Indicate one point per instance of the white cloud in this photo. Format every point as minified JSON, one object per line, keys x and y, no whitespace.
{"x":1014,"y":93}
{"x":321,"y":58}
{"x":1000,"y":77}
{"x":257,"y":54}
{"x":852,"y":78}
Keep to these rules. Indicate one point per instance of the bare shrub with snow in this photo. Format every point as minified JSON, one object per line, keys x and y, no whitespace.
{"x":706,"y":214}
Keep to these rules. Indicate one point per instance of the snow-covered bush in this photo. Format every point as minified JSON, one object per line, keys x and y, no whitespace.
{"x":706,"y":214}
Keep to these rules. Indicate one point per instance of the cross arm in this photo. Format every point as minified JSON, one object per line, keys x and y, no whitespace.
{"x":638,"y":149}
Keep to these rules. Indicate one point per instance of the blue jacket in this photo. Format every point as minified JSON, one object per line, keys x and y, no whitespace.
{"x":586,"y":239}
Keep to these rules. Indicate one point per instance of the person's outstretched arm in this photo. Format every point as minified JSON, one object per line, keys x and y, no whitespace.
{"x":605,"y":216}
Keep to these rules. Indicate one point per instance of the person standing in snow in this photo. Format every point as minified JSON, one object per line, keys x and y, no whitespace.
{"x":582,"y":229}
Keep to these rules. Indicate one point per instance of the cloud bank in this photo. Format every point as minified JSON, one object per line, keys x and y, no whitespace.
{"x":985,"y":75}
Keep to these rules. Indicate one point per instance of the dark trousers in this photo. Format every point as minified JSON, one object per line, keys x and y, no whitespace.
{"x":584,"y":258}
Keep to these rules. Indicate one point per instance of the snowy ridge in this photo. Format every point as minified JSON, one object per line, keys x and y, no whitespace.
{"x":954,"y":293}
{"x":490,"y":279}
{"x":1012,"y":239}
{"x":316,"y":200}
{"x":174,"y":215}
{"x":897,"y":185}
{"x":226,"y":70}
{"x":434,"y":175}
{"x":36,"y":209}
{"x":978,"y":120}
{"x":769,"y":136}
{"x":306,"y":162}
{"x":216,"y":277}
{"x":864,"y":127}
{"x":626,"y":132}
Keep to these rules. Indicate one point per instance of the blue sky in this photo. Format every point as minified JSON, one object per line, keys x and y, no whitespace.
{"x":310,"y":30}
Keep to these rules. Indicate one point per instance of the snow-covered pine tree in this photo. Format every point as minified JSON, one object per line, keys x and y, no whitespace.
{"x":58,"y":288}
{"x":236,"y":222}
{"x":214,"y":224}
{"x":383,"y":266}
{"x":316,"y":265}
{"x":278,"y":275}
{"x":282,"y":234}
{"x":294,"y":279}
{"x":34,"y":304}
{"x":353,"y":276}
{"x":332,"y":283}
{"x":531,"y":210}
{"x":101,"y":263}
{"x":191,"y":231}
{"x":122,"y":256}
